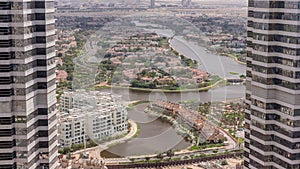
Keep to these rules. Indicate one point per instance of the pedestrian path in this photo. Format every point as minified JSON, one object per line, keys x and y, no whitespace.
{"x":103,"y":146}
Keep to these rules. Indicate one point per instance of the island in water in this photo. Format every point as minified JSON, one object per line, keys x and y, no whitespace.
{"x":146,"y":60}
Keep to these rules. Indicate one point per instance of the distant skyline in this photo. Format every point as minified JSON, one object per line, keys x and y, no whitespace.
{"x":205,"y":1}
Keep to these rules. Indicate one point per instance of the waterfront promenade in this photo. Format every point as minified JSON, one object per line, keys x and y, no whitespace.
{"x":95,"y":151}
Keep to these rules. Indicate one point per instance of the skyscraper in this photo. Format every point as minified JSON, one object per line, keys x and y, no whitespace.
{"x":28,"y":134}
{"x":272,"y":125}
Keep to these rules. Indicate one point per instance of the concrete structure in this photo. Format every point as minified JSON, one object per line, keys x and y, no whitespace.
{"x":93,"y":115}
{"x":272,"y":125}
{"x":28,"y":134}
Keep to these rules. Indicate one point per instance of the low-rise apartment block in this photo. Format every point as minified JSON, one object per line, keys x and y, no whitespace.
{"x":90,"y":115}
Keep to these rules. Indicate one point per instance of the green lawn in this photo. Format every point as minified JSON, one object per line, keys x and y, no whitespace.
{"x":233,"y":73}
{"x":201,"y":147}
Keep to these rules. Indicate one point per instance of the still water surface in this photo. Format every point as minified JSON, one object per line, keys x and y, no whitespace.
{"x":158,"y":136}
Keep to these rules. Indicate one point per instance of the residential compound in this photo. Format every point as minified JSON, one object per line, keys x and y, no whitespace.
{"x":28,"y":133}
{"x":272,"y":125}
{"x":90,"y":115}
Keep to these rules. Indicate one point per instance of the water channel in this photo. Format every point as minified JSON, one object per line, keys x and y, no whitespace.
{"x":158,"y":136}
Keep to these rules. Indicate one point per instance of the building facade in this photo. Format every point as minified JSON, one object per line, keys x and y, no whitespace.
{"x":90,"y":115}
{"x":272,"y":125}
{"x":71,"y":129}
{"x":28,"y":134}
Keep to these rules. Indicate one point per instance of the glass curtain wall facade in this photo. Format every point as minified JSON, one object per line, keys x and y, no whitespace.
{"x":272,"y":125}
{"x":28,"y":134}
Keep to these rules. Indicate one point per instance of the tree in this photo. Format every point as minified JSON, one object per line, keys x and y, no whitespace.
{"x":92,"y":143}
{"x":132,"y":160}
{"x":107,"y":55}
{"x":147,"y":158}
{"x":75,"y":147}
{"x":242,"y":76}
{"x":61,"y":151}
{"x":186,"y":157}
{"x":66,"y":150}
{"x":69,"y":156}
{"x":160,"y":156}
{"x":170,"y":153}
{"x":224,"y":162}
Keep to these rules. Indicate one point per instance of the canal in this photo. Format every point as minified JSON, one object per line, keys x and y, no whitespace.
{"x":158,"y":136}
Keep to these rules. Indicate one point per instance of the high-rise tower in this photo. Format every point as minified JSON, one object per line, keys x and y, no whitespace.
{"x":272,"y":125}
{"x":28,"y":134}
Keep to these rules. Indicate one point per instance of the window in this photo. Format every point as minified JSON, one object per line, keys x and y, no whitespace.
{"x":40,"y":40}
{"x":43,"y":144}
{"x":41,"y":74}
{"x":41,"y":51}
{"x":5,"y":18}
{"x":7,"y":132}
{"x":43,"y":123}
{"x":40,"y":28}
{"x":20,"y":119}
{"x":42,"y":85}
{"x":41,"y":63}
{"x":40,"y":16}
{"x":39,"y":4}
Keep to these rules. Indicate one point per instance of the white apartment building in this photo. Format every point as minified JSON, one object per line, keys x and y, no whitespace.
{"x":90,"y":115}
{"x":71,"y":129}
